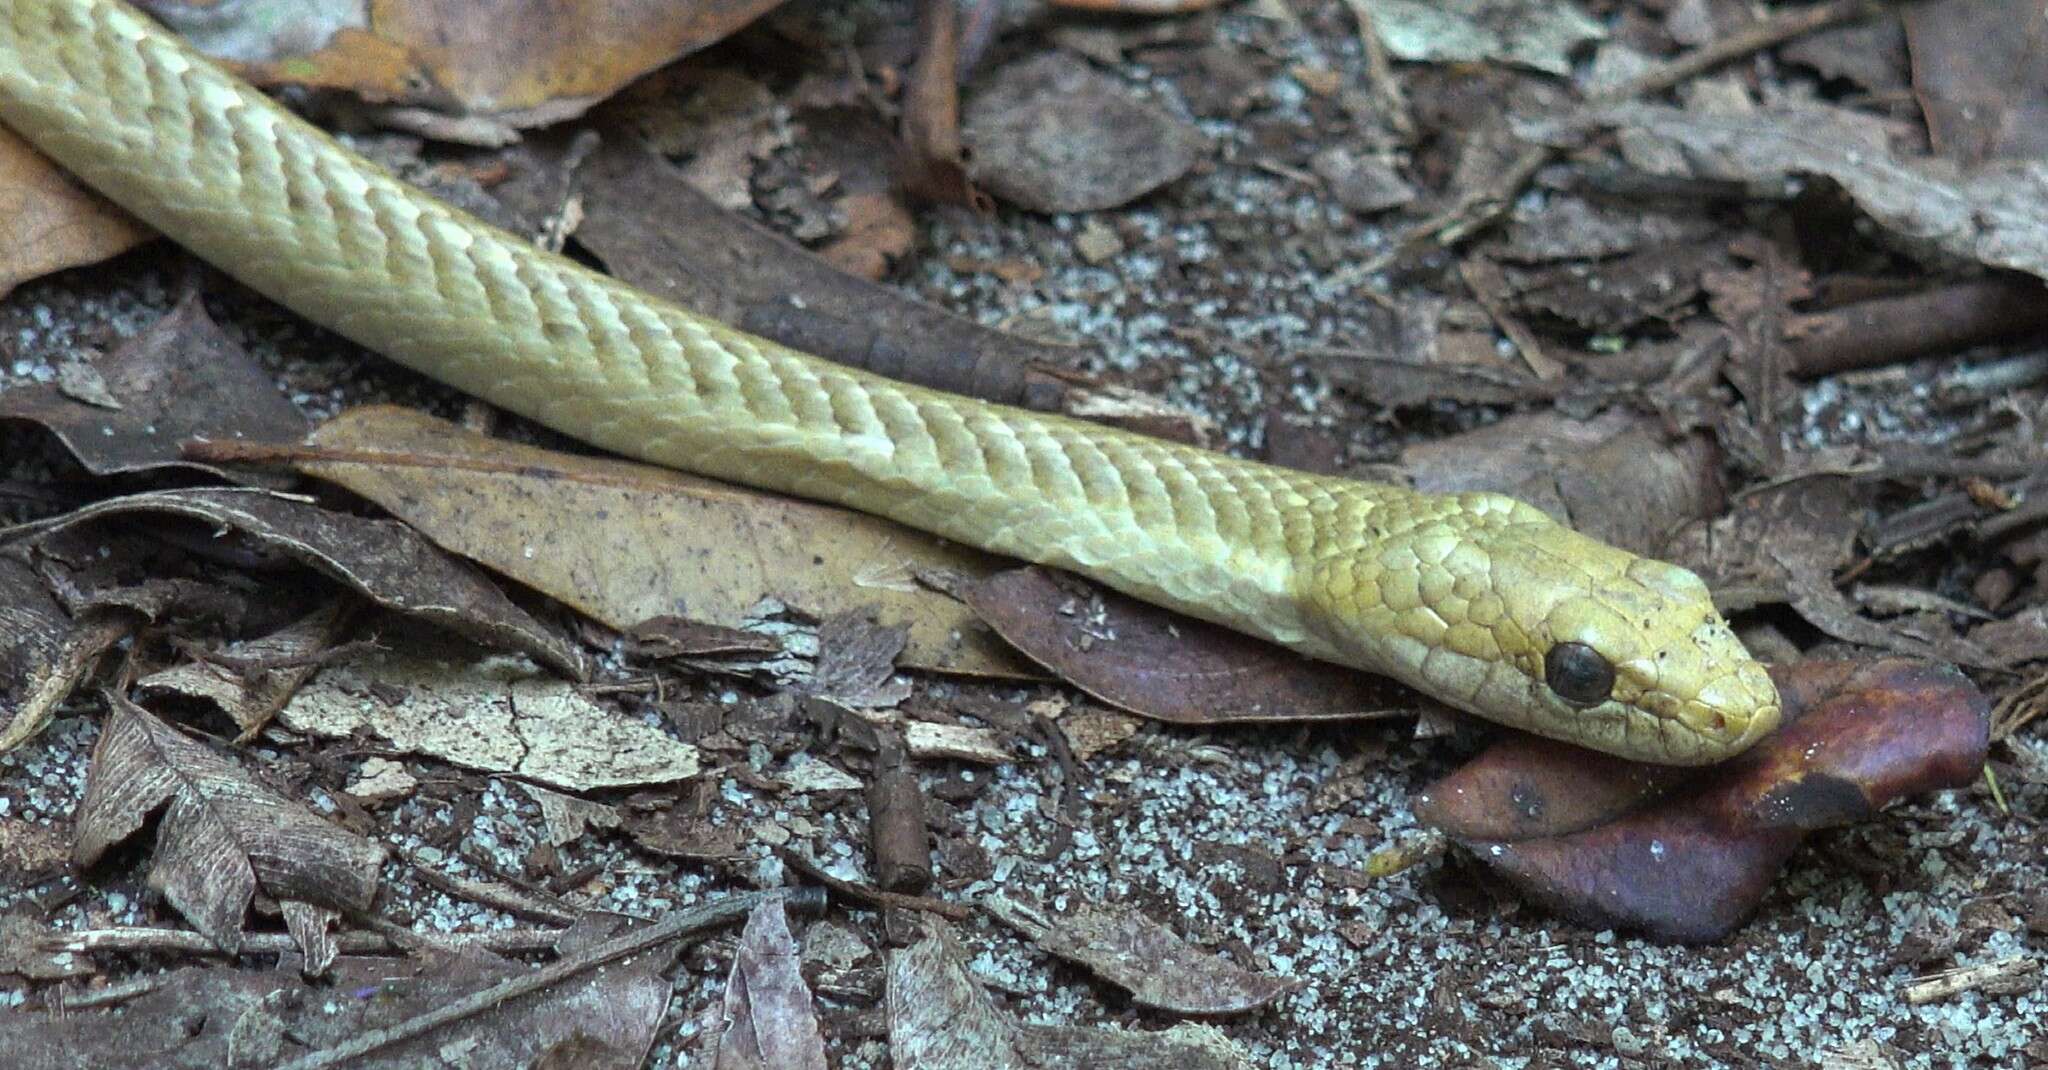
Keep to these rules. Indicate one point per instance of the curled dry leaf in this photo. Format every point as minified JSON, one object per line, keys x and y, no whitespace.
{"x":1166,"y":666}
{"x":769,"y":1021}
{"x":224,"y":835}
{"x":626,"y":543}
{"x":383,"y":560}
{"x":1126,"y":948}
{"x":48,"y":222}
{"x":1615,"y":844}
{"x":250,"y":681}
{"x":181,"y":378}
{"x":483,"y":67}
{"x":498,"y":716}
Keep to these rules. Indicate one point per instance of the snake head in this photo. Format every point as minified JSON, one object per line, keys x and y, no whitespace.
{"x":1492,"y":607}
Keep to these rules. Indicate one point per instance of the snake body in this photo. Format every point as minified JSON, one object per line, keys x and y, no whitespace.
{"x":1479,"y":600}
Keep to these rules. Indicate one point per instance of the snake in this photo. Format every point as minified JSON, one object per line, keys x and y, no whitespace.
{"x":1476,"y":599}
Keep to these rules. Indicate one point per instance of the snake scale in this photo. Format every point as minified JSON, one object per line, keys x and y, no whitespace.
{"x":1477,"y":599}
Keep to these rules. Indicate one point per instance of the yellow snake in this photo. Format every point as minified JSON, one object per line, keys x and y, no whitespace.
{"x":1476,"y":599}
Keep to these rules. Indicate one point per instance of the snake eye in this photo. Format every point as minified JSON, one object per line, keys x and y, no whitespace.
{"x":1578,"y":674}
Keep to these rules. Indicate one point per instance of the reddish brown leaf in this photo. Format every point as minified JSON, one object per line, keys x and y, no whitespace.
{"x":1611,"y":850}
{"x":1166,"y":666}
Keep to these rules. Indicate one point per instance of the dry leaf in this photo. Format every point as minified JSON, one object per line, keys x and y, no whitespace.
{"x":48,"y":222}
{"x":242,"y":683}
{"x":1686,"y":855}
{"x":769,"y":1021}
{"x":498,"y":715}
{"x":44,"y":653}
{"x":626,"y":542}
{"x":1165,"y":666}
{"x":181,"y":378}
{"x":1129,"y":949}
{"x":484,"y":67}
{"x":385,"y":561}
{"x":225,"y":834}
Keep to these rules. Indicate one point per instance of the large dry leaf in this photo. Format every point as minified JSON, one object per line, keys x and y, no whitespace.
{"x":224,"y":834}
{"x":489,"y":65}
{"x":769,"y":1021}
{"x":627,"y":543}
{"x":499,"y":715}
{"x":385,"y":561}
{"x":48,"y":222}
{"x":181,"y":378}
{"x":1687,"y":854}
{"x":1533,"y":33}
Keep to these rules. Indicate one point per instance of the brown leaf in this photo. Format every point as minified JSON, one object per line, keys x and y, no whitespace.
{"x":250,"y":681}
{"x":1614,"y":845}
{"x":770,"y":1024}
{"x":385,"y":561}
{"x":1165,"y":666}
{"x":224,"y":835}
{"x":181,"y":378}
{"x":1052,"y":134}
{"x":1129,"y":949}
{"x":509,"y":63}
{"x":628,"y":542}
{"x":48,"y":222}
{"x":1978,"y":75}
{"x":857,"y":662}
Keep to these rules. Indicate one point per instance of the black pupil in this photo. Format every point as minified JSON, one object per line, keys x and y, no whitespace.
{"x":1578,"y":674}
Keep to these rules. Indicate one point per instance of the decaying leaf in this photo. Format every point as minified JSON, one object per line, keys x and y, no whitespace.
{"x":856,"y":664}
{"x":250,"y":681}
{"x":941,"y":1019}
{"x":44,"y":653}
{"x":182,"y":378}
{"x":483,"y":68}
{"x":383,"y":560}
{"x":770,"y":1024}
{"x":498,"y":715}
{"x":1165,"y":666}
{"x":48,"y":222}
{"x":1687,"y":857}
{"x":626,"y":542}
{"x":1129,"y":949}
{"x":224,"y":835}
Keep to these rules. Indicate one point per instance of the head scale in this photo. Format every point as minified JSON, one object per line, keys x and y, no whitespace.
{"x":1494,"y":608}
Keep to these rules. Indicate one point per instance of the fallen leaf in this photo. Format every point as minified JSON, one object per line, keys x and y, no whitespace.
{"x":498,"y":715}
{"x":44,"y":653}
{"x":1979,"y":79}
{"x":857,"y":663}
{"x":48,"y":222}
{"x":383,"y":560}
{"x":567,"y":817}
{"x":252,"y":680}
{"x":941,"y":1019}
{"x":1613,"y":844}
{"x":626,"y":542}
{"x":1992,"y":215}
{"x":1053,"y":134}
{"x":1172,"y":668}
{"x":1128,"y":949}
{"x":769,"y":1021}
{"x":181,"y":378}
{"x":489,"y":66}
{"x":224,"y":835}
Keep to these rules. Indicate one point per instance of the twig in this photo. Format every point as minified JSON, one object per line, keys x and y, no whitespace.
{"x":675,"y":926}
{"x":186,"y":942}
{"x":1380,"y":72}
{"x":1477,"y":209}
